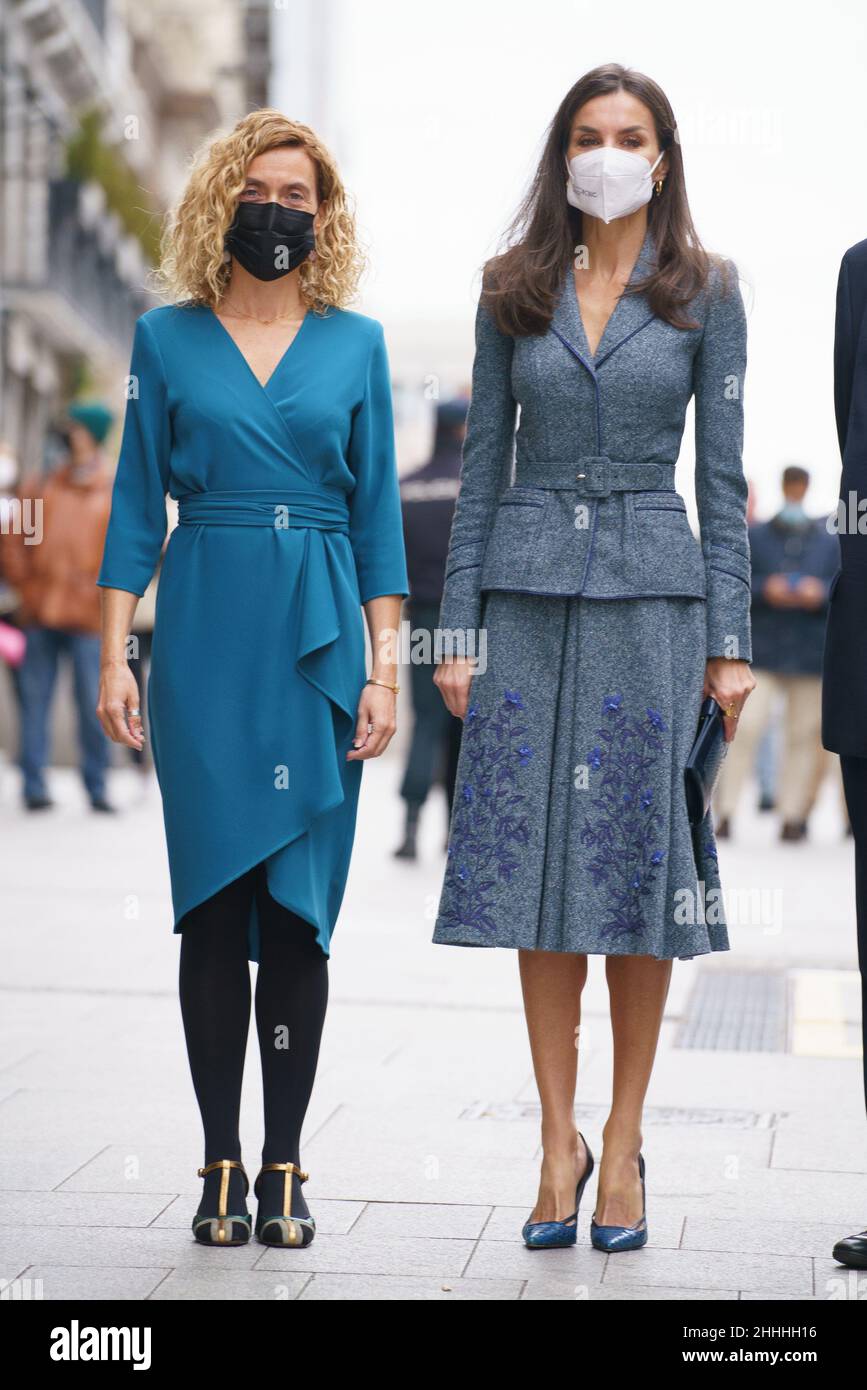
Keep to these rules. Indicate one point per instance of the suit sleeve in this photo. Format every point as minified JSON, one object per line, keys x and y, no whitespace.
{"x":720,"y":485}
{"x":486,"y":467}
{"x":375,"y":522}
{"x":830,"y":559}
{"x":844,"y":348}
{"x":138,"y":522}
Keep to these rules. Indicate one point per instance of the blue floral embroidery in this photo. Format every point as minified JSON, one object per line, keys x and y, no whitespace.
{"x":625,"y":822}
{"x":490,"y":819}
{"x":708,"y":855}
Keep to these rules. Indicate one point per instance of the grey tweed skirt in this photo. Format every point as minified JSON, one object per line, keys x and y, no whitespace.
{"x":569,"y":829}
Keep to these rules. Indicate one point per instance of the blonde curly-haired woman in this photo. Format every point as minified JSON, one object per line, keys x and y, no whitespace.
{"x":263,"y":406}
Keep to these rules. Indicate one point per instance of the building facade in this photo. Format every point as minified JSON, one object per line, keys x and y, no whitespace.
{"x":101,"y":104}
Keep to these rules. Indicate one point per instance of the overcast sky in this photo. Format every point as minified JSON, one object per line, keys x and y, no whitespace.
{"x":436,"y":112}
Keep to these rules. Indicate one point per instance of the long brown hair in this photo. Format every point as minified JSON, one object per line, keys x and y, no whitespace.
{"x":521,"y":284}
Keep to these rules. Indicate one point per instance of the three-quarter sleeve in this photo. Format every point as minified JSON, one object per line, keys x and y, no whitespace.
{"x":138,"y":522}
{"x":375,"y":521}
{"x":486,"y":468}
{"x":720,"y":485}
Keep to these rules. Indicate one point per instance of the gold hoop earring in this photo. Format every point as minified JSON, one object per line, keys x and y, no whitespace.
{"x":658,"y":187}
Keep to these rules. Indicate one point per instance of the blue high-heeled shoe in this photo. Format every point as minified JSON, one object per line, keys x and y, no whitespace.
{"x":551,"y":1235}
{"x":613,"y":1238}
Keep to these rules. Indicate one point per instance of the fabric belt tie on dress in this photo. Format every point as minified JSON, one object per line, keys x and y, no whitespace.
{"x":324,"y":509}
{"x":595,"y":475}
{"x":316,"y":598}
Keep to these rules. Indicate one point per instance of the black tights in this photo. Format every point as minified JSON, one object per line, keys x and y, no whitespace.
{"x":291,"y":996}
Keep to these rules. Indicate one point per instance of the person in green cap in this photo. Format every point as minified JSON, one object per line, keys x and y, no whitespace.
{"x":54,"y":572}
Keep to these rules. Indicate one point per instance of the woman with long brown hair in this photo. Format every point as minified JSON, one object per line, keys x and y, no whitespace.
{"x":263,"y":405}
{"x":605,"y":622}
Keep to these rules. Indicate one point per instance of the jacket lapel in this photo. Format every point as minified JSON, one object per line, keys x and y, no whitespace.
{"x":631,"y":314}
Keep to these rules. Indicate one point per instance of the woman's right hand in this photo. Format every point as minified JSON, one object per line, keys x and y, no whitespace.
{"x":453,"y":678}
{"x":118,"y":698}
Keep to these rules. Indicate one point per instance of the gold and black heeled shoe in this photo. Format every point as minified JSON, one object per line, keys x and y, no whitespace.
{"x":223,"y":1229}
{"x":285,"y":1229}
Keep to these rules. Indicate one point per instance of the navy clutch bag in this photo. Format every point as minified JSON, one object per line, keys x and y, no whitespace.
{"x":704,"y":761}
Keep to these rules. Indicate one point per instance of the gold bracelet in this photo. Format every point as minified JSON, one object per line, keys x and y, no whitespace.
{"x":371,"y":680}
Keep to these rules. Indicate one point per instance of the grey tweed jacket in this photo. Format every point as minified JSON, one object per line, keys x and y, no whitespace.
{"x":579,"y":498}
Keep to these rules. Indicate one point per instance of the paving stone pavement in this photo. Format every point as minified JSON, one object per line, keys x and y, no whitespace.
{"x":422,"y":1138}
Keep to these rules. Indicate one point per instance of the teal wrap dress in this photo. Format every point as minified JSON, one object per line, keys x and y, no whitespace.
{"x":288,"y":521}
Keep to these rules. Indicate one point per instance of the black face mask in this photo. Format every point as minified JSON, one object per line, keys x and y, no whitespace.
{"x":269,"y":240}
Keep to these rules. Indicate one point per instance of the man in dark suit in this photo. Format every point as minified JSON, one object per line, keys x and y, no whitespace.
{"x":844,"y":698}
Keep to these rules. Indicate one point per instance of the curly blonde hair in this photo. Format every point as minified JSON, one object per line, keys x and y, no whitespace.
{"x":193,"y":268}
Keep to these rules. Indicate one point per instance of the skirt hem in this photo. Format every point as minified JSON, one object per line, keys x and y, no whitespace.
{"x":576,"y":950}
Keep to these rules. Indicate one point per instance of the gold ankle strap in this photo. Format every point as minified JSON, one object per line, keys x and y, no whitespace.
{"x":288,"y":1169}
{"x":284,"y":1168}
{"x":225,"y":1165}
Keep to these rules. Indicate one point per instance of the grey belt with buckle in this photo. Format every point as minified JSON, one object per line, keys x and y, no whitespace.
{"x":596,"y":475}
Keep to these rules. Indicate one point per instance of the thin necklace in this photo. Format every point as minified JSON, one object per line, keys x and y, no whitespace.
{"x":278,"y":318}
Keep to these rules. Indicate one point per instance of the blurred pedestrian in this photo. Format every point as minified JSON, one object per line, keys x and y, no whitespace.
{"x":428,"y":503}
{"x":60,"y":609}
{"x":793,"y":560}
{"x":769,"y":756}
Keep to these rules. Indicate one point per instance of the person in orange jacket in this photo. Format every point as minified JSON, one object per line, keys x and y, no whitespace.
{"x":53,"y":563}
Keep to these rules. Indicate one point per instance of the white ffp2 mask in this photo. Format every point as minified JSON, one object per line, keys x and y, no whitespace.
{"x":608,"y":183}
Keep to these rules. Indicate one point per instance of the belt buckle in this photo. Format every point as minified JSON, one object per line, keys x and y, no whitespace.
{"x":593,"y":473}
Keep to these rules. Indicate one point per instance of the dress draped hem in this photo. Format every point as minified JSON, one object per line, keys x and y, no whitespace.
{"x":323,"y":934}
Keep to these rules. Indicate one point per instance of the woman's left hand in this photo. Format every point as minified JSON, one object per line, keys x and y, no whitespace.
{"x":376,"y":707}
{"x":730,"y":683}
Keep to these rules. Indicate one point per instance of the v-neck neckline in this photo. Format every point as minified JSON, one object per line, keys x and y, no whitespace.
{"x":263,"y":385}
{"x":572,"y":292}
